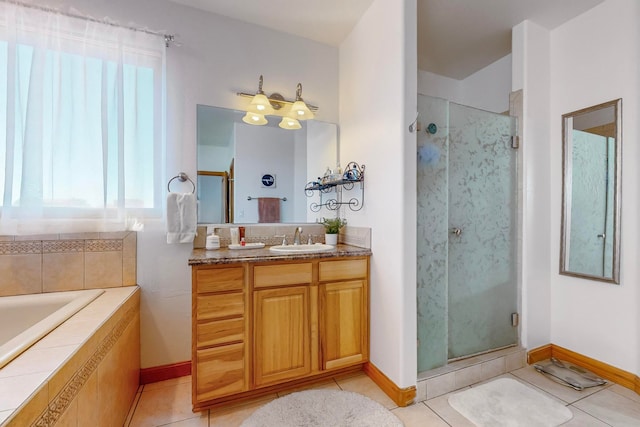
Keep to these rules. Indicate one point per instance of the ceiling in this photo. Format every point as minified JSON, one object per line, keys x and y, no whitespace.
{"x":455,"y":37}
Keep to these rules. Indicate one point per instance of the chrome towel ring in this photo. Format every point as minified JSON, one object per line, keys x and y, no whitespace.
{"x":182,"y":177}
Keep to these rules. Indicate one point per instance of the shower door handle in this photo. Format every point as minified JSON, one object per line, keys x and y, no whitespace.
{"x":601,"y":236}
{"x":456,"y":231}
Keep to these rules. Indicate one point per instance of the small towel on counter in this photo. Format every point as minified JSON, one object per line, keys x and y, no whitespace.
{"x":181,"y":217}
{"x":268,"y":209}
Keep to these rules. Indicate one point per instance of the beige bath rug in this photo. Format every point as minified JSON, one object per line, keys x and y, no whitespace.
{"x":323,"y":408}
{"x":509,"y":403}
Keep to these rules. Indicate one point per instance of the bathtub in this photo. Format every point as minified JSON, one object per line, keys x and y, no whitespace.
{"x":90,"y":361}
{"x":25,"y":319}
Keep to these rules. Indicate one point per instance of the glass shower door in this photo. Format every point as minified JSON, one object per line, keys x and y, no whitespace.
{"x":482,"y":291}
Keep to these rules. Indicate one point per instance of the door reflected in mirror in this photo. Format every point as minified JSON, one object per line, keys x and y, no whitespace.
{"x":260,"y":162}
{"x":590,"y":238}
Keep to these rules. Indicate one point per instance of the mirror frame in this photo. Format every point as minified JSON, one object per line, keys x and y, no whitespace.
{"x":567,"y":190}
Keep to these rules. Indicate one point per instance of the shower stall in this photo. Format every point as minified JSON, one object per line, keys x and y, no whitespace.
{"x":467,"y":232}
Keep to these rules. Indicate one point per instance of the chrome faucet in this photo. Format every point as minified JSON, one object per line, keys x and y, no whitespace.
{"x":296,"y":236}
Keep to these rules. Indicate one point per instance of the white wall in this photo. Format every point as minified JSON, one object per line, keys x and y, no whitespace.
{"x":218,"y":57}
{"x":260,"y":150}
{"x":487,"y":89}
{"x":377,"y":104}
{"x":595,"y":58}
{"x":531,"y":56}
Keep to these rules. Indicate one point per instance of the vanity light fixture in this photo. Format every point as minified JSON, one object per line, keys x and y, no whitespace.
{"x":276,"y":105}
{"x":289,"y":123}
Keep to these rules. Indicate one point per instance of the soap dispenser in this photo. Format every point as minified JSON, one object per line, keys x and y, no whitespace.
{"x":213,"y":241}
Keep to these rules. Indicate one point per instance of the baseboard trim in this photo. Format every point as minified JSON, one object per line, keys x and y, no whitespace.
{"x":604,"y":370}
{"x":401,"y":396}
{"x":540,"y":353}
{"x":165,"y":372}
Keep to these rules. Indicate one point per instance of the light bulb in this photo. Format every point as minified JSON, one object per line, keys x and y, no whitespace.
{"x":254,"y":119}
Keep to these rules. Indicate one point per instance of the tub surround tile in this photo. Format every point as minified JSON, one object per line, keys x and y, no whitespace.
{"x":42,"y":360}
{"x":119,"y":375}
{"x":61,"y":262}
{"x":70,"y":392}
{"x":15,"y":390}
{"x":28,"y":412}
{"x":70,"y":416}
{"x":21,"y":274}
{"x":129,"y":272}
{"x":62,"y":271}
{"x":36,"y":237}
{"x":53,"y":246}
{"x":78,"y":236}
{"x":102,"y":269}
{"x":19,"y":248}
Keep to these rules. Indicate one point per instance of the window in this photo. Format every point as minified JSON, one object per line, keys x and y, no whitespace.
{"x":82,"y":132}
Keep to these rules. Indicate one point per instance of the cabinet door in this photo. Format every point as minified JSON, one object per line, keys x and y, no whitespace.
{"x":344,"y":323}
{"x":281,"y":333}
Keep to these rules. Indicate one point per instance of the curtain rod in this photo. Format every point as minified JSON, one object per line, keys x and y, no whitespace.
{"x":168,"y":38}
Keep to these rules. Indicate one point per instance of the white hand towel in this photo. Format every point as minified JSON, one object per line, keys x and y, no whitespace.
{"x":181,"y":217}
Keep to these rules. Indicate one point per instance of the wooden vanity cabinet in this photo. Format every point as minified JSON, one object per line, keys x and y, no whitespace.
{"x":220,"y":347}
{"x":344,"y":312}
{"x":289,"y":322}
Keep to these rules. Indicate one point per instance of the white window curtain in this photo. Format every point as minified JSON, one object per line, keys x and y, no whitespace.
{"x":81,"y":122}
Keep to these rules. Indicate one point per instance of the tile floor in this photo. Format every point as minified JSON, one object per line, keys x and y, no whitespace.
{"x":168,"y":403}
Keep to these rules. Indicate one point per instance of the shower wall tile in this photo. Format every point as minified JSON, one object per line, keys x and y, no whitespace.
{"x":443,"y":384}
{"x":515,"y":361}
{"x":71,"y":261}
{"x":492,"y":368}
{"x":468,"y":376}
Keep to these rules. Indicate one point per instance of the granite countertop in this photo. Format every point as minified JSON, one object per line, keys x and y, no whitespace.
{"x":227,"y":256}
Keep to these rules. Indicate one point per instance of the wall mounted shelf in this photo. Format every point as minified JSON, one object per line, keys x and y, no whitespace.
{"x":330,"y":189}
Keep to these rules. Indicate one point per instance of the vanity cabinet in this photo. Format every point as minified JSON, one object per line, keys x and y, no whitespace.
{"x":219,"y":330}
{"x":344,"y":314}
{"x":260,"y":327}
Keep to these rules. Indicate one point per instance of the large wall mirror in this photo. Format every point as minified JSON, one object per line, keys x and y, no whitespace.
{"x":591,"y":194}
{"x":240,"y":164}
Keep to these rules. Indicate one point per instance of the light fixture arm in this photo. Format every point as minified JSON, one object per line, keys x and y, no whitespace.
{"x":260,"y":81}
{"x":274,"y":100}
{"x":299,"y":92}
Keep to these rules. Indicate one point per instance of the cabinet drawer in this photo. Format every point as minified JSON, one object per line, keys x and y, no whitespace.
{"x":211,"y":307}
{"x":219,"y":332}
{"x":220,"y":279}
{"x":220,"y":371}
{"x":342,"y":270}
{"x":282,"y":274}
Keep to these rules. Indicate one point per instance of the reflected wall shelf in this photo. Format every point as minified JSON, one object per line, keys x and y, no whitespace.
{"x":330,"y":191}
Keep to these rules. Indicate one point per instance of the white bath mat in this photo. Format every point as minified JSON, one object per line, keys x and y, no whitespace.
{"x":509,"y":403}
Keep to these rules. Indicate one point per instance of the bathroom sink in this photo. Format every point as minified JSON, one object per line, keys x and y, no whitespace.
{"x":301,"y":249}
